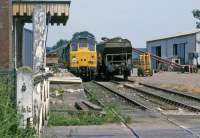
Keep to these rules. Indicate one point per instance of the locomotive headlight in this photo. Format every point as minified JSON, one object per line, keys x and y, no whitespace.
{"x":92,"y":59}
{"x":74,"y":60}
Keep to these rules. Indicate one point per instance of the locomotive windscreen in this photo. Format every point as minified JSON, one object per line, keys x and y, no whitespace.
{"x":92,"y":44}
{"x":83,"y":42}
{"x":74,"y":46}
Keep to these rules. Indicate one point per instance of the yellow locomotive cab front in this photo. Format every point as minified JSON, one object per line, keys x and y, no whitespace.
{"x":83,"y":57}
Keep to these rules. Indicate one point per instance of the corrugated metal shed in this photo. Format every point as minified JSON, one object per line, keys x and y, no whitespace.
{"x":180,"y":47}
{"x":180,"y":34}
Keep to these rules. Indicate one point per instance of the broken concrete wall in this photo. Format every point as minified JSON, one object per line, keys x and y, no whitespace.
{"x":25,"y":96}
{"x":32,"y":98}
{"x":40,"y":98}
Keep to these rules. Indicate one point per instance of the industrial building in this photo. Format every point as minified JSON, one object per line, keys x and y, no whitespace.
{"x":182,"y":48}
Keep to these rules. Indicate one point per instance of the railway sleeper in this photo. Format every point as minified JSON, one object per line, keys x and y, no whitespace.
{"x":90,"y":94}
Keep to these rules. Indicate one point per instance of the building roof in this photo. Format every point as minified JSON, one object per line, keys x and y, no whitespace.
{"x":57,"y":10}
{"x":180,"y":34}
{"x":113,"y":40}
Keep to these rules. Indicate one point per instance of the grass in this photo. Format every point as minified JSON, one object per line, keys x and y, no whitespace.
{"x":109,"y":107}
{"x":59,"y":90}
{"x":9,"y":118}
{"x":81,"y":118}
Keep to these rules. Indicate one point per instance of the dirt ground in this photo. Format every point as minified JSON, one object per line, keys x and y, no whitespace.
{"x":173,"y":80}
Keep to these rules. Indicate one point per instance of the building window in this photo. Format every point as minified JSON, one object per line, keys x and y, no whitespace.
{"x":175,"y":49}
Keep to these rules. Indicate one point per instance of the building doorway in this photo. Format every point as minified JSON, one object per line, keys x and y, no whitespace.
{"x":156,"y":51}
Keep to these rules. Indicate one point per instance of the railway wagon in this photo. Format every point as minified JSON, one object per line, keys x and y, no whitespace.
{"x":114,"y":57}
{"x":51,"y":59}
{"x":81,"y":55}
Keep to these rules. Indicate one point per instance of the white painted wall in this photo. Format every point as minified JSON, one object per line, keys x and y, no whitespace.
{"x":24,"y":98}
{"x":33,"y":101}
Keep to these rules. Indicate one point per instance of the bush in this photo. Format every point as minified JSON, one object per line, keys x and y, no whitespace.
{"x":8,"y":116}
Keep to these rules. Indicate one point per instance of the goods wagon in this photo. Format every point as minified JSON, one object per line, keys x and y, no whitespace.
{"x":114,"y":57}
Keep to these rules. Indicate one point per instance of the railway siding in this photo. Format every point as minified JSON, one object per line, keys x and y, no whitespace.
{"x":185,"y":102}
{"x":133,"y":101}
{"x":141,"y":100}
{"x":190,"y":96}
{"x":106,"y":98}
{"x":150,"y":100}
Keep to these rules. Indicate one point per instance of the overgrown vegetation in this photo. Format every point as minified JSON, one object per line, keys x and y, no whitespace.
{"x":55,"y":68}
{"x":109,"y":107}
{"x":60,"y":90}
{"x":61,"y":117}
{"x":81,"y":118}
{"x":8,"y":116}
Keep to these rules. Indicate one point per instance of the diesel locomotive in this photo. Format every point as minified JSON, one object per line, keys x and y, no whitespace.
{"x":81,"y":55}
{"x":114,"y":57}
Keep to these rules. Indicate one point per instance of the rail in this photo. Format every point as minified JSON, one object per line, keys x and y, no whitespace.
{"x":167,"y":99}
{"x":124,"y":97}
{"x":172,"y":92}
{"x":114,"y":112}
{"x":164,"y":116}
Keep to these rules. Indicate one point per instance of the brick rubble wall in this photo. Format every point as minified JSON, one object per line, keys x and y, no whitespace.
{"x":5,"y":33}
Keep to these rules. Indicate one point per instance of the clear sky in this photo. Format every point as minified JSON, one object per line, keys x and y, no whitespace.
{"x":137,"y":20}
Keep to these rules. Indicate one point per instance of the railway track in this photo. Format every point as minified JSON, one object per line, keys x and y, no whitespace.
{"x":146,"y":104}
{"x":125,"y":97}
{"x":105,"y":98}
{"x":144,"y":101}
{"x":176,"y":93}
{"x":184,"y":101}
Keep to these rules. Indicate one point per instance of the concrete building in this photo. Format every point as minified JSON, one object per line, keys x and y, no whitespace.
{"x":182,"y":48}
{"x":32,"y":84}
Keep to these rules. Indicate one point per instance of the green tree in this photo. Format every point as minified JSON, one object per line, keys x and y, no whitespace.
{"x":196,"y":14}
{"x":60,"y":43}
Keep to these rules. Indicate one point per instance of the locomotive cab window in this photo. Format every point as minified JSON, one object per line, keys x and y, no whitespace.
{"x":91,"y":44}
{"x":74,"y":46}
{"x":83,"y":43}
